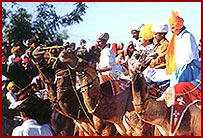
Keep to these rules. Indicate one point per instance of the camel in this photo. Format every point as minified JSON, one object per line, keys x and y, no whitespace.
{"x":157,"y":111}
{"x":117,"y":109}
{"x":64,"y":98}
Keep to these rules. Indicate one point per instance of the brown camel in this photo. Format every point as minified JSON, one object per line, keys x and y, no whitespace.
{"x":155,"y":111}
{"x":117,"y":109}
{"x":64,"y":96}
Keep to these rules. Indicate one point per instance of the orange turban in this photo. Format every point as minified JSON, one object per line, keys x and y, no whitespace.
{"x":175,"y":20}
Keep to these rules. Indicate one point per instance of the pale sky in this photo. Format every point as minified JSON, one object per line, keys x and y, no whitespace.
{"x":116,"y":17}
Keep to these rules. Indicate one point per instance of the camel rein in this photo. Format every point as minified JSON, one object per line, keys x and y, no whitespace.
{"x":77,"y":96}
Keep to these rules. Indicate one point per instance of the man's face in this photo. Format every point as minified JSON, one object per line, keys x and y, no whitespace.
{"x":83,"y":44}
{"x":159,"y":36}
{"x":101,"y":43}
{"x":175,"y":31}
{"x":135,"y":34}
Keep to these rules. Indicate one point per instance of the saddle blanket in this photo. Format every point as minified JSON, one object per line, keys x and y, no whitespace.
{"x":184,"y":95}
{"x":119,"y":86}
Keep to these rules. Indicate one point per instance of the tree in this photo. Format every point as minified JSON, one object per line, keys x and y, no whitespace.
{"x":47,"y":22}
{"x":19,"y":27}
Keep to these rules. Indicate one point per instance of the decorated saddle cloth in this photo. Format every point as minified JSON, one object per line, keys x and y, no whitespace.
{"x":119,"y":86}
{"x":183,"y":96}
{"x":108,"y":81}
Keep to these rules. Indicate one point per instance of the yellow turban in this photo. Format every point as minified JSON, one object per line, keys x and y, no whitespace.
{"x":10,"y":85}
{"x":146,"y":32}
{"x":175,"y":20}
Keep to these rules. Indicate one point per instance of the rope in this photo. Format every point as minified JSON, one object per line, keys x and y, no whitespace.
{"x":80,"y":103}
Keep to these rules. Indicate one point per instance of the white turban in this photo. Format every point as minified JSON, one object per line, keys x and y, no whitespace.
{"x":102,"y":36}
{"x":136,"y":26}
{"x":160,"y":28}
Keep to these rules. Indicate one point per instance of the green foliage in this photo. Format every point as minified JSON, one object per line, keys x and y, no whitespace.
{"x":48,"y":23}
{"x":19,"y":26}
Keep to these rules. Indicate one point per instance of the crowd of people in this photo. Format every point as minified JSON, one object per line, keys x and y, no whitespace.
{"x":178,"y":61}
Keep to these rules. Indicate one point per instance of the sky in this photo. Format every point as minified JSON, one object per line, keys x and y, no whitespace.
{"x":116,"y":17}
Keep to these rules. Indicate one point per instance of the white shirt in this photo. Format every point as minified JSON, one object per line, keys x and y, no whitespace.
{"x":107,"y":58}
{"x":11,"y":97}
{"x":137,"y":44}
{"x":186,"y":48}
{"x":148,"y":47}
{"x":32,"y":128}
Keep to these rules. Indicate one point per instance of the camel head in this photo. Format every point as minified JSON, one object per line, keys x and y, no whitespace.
{"x":140,"y":60}
{"x":76,"y":60}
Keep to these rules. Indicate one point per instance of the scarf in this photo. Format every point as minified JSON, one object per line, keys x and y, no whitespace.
{"x":170,"y":56}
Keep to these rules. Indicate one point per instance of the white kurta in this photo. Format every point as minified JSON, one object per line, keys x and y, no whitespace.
{"x":186,"y":48}
{"x":32,"y":128}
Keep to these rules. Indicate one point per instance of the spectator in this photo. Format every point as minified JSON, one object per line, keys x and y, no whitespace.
{"x":120,"y":57}
{"x":29,"y":111}
{"x":182,"y":56}
{"x":120,"y":46}
{"x":114,"y":48}
{"x":72,"y":46}
{"x":11,"y":95}
{"x":129,"y":50}
{"x":66,"y":44}
{"x":95,"y":54}
{"x":14,"y":54}
{"x":82,"y":44}
{"x":29,"y":69}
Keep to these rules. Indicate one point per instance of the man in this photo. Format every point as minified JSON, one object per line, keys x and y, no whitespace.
{"x":82,"y":45}
{"x":158,"y":65}
{"x":182,"y":56}
{"x":29,"y":111}
{"x":14,"y":53}
{"x":11,"y":95}
{"x":146,"y":37}
{"x":161,"y":45}
{"x":135,"y":30}
{"x":107,"y":64}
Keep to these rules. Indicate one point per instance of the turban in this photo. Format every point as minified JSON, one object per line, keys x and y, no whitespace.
{"x":160,"y":28}
{"x":14,"y":49}
{"x":136,"y":26}
{"x":146,"y":32}
{"x":102,"y":36}
{"x":10,"y":85}
{"x":175,"y":20}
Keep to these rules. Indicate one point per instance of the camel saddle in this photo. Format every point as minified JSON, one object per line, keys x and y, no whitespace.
{"x":183,"y":96}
